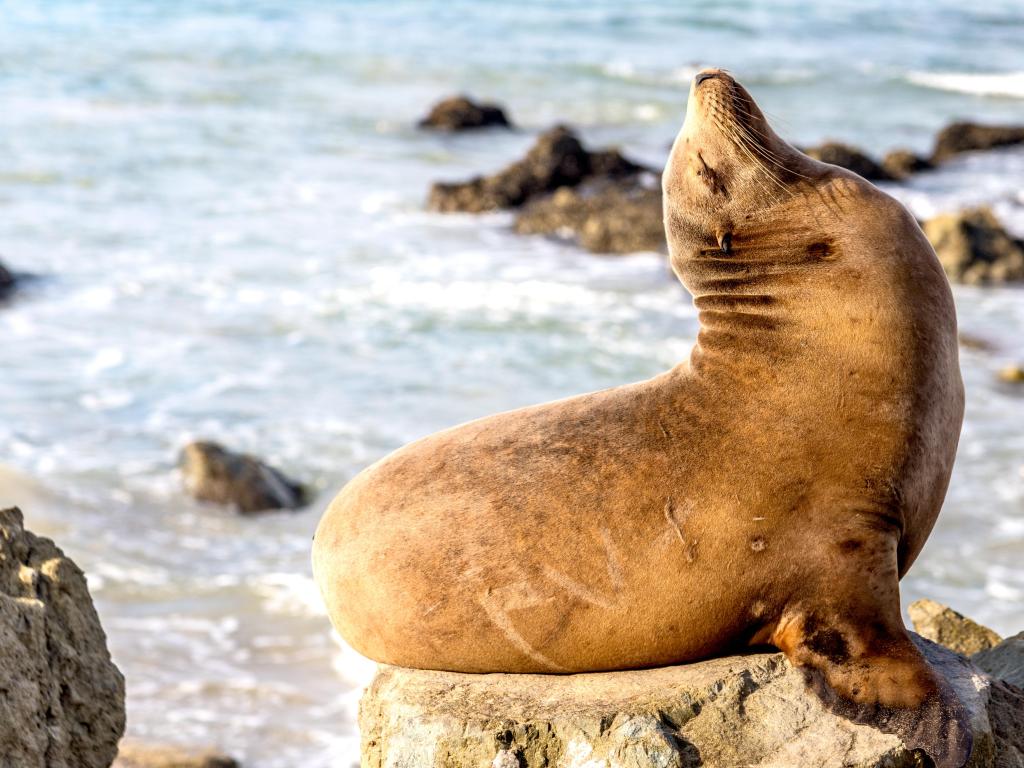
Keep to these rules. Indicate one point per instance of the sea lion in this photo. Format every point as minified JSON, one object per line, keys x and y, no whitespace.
{"x":772,"y":489}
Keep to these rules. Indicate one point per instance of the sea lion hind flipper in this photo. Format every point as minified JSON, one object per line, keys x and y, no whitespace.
{"x":896,"y":691}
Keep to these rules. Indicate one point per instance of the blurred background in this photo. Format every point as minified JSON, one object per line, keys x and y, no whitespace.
{"x":215,"y":215}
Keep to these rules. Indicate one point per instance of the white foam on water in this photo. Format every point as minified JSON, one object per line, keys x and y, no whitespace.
{"x":1008,"y":84}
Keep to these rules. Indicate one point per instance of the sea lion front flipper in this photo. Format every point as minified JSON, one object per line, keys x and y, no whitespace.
{"x":871,"y":672}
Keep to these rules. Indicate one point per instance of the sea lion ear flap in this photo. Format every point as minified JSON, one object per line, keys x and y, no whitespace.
{"x":725,"y":242}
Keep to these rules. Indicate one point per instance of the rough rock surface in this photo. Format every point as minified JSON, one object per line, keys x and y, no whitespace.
{"x":974,"y":248}
{"x":900,"y":163}
{"x":459,"y":113}
{"x":557,"y":159}
{"x":1004,"y":661}
{"x":850,"y":158}
{"x":213,"y":473}
{"x":942,"y":625}
{"x":609,"y":216}
{"x":132,"y":755}
{"x":749,"y":710}
{"x":966,"y":137}
{"x":61,"y":697}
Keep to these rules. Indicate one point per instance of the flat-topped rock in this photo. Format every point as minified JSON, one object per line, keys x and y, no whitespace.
{"x":137,"y":755}
{"x":968,"y":137}
{"x":751,"y":710}
{"x":460,"y":113}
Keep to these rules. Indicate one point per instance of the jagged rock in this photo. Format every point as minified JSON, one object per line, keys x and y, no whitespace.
{"x":61,"y":697}
{"x":557,"y":159}
{"x":213,"y":473}
{"x":942,"y":625}
{"x":751,"y":710}
{"x":901,"y":163}
{"x":1012,"y":374}
{"x":974,"y":248}
{"x":850,"y":158}
{"x":459,"y":113}
{"x":610,"y":216}
{"x":1004,"y":661}
{"x":966,"y":137}
{"x":132,"y":755}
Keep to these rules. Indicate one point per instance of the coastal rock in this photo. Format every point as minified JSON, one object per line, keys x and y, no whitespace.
{"x":61,"y":697}
{"x":850,"y":158}
{"x":459,"y":113}
{"x":1004,"y":661}
{"x":1012,"y":374}
{"x":941,"y":624}
{"x":966,"y":137}
{"x":901,"y":163}
{"x":7,"y":282}
{"x":132,"y":755}
{"x":557,"y":159}
{"x":751,"y":710}
{"x":610,"y":216}
{"x":213,"y":473}
{"x":974,"y":248}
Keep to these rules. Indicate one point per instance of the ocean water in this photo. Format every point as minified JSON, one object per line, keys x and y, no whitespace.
{"x":222,"y":203}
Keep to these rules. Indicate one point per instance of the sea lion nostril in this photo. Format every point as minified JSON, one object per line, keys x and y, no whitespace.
{"x":705,"y":76}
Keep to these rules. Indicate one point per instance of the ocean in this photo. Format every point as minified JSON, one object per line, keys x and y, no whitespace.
{"x":222,"y":206}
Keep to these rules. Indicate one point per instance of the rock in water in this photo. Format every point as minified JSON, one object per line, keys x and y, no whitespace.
{"x":942,"y":625}
{"x":459,"y":113}
{"x":133,"y":755}
{"x":621,"y":216}
{"x":1012,"y":374}
{"x":901,"y":163}
{"x":749,"y":710}
{"x":7,"y":281}
{"x":974,"y":248}
{"x":213,"y":473}
{"x":557,"y":159}
{"x":850,"y":158}
{"x":966,"y":137}
{"x":61,"y":697}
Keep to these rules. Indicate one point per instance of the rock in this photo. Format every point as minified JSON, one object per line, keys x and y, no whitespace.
{"x":133,"y":755}
{"x":1012,"y":374}
{"x":557,"y":159}
{"x":7,"y":282}
{"x":751,"y":710}
{"x":610,"y":216}
{"x":458,"y":113}
{"x":850,"y":158}
{"x":970,"y":341}
{"x":61,"y":697}
{"x":1004,"y":661}
{"x":974,"y":248}
{"x":966,"y":137}
{"x":213,"y":473}
{"x":901,"y":163}
{"x":942,"y":625}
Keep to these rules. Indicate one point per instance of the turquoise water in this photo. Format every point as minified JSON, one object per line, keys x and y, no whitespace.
{"x":223,"y":203}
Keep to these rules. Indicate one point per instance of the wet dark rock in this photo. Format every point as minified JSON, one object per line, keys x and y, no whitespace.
{"x":132,"y":755}
{"x":7,"y":282}
{"x":557,"y":159}
{"x":213,"y":473}
{"x":974,"y":248}
{"x":901,"y":163}
{"x":1004,"y":661}
{"x":459,"y":113}
{"x":967,"y":137}
{"x":608,"y":216}
{"x":941,"y":624}
{"x":850,"y":158}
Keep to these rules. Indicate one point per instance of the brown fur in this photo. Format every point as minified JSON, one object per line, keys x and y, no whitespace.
{"x":771,"y":489}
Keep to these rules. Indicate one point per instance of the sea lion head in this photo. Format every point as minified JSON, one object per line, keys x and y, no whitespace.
{"x":727,"y":166}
